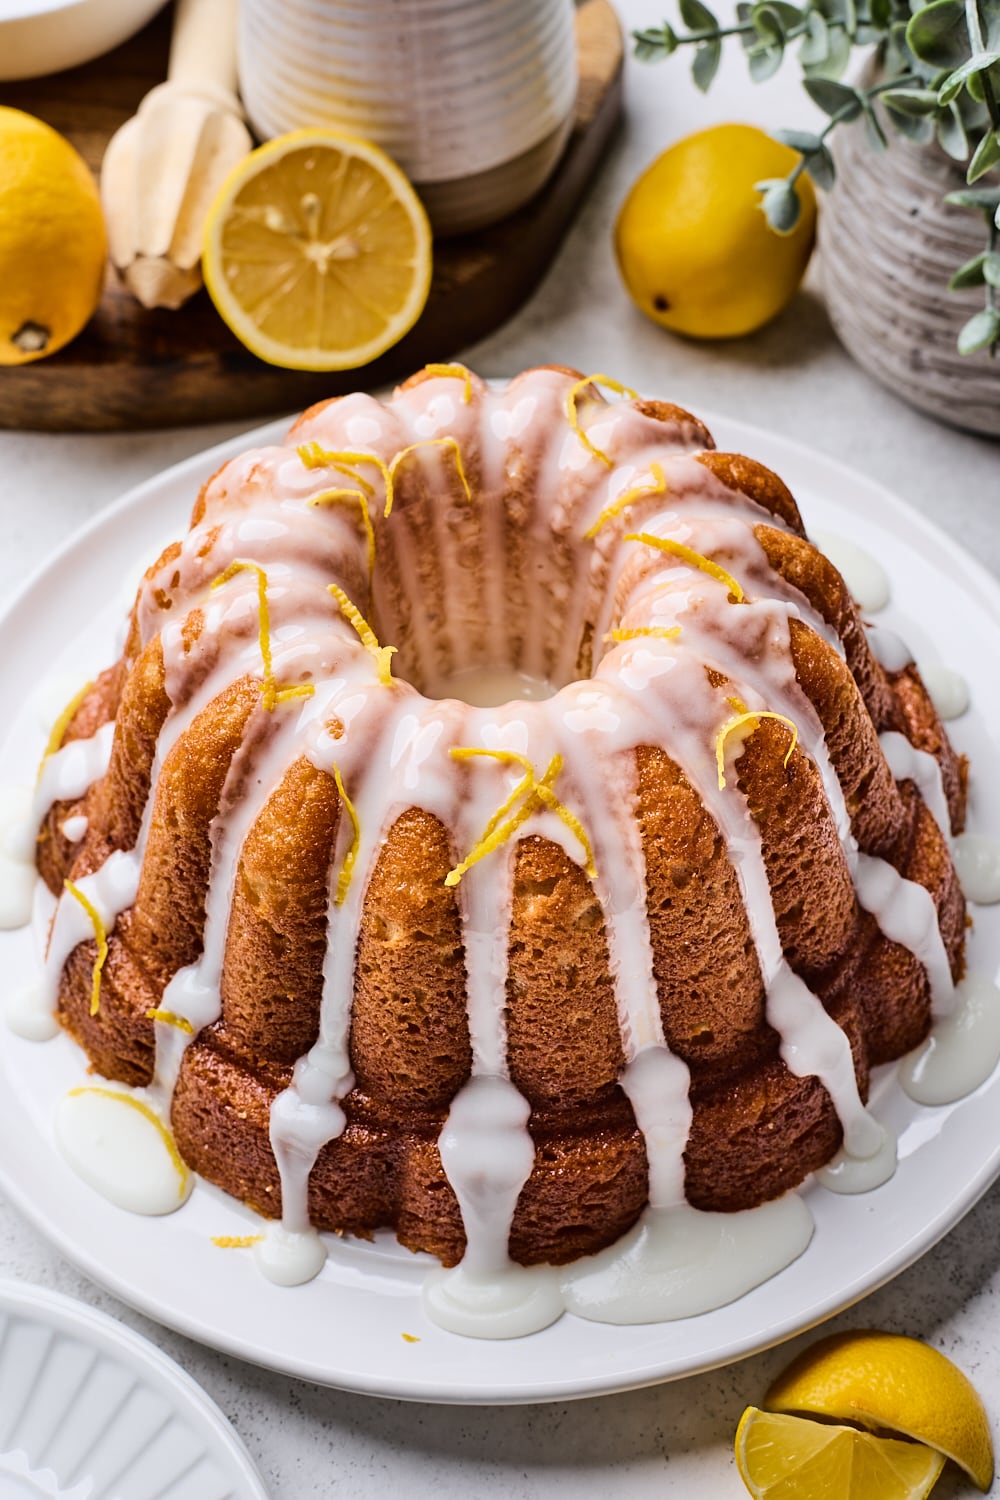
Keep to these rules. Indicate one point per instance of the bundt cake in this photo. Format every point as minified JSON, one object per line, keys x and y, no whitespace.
{"x":498,"y":823}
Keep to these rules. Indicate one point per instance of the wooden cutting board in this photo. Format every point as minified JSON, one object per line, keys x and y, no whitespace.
{"x":132,"y":367}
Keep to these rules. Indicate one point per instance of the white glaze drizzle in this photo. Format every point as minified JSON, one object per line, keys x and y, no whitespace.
{"x":258,"y":507}
{"x":948,"y":690}
{"x":864,"y":575}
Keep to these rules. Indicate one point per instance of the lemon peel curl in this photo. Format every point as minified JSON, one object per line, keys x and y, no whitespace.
{"x":347,"y":868}
{"x":101,"y":936}
{"x":458,"y":372}
{"x":271,"y":693}
{"x":741,"y":717}
{"x":637,"y":492}
{"x":536,"y":792}
{"x":382,"y":655}
{"x":180,"y":1166}
{"x":693,"y":559}
{"x":573,"y":416}
{"x":59,"y":728}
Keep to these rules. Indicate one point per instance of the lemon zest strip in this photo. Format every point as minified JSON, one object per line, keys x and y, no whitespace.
{"x":658,"y":632}
{"x":536,"y":793}
{"x":410,"y":1338}
{"x":506,"y":757}
{"x":170,"y":1018}
{"x":566,"y":815}
{"x":143,"y":1109}
{"x":637,"y":492}
{"x":101,"y":935}
{"x":271,"y":694}
{"x":688,"y":555}
{"x":459,"y":372}
{"x":749,"y":718}
{"x":347,"y":868}
{"x":573,"y":416}
{"x":59,"y":728}
{"x":236,"y":1241}
{"x":441,"y":442}
{"x":331,"y":497}
{"x":314,"y":456}
{"x":381,"y":654}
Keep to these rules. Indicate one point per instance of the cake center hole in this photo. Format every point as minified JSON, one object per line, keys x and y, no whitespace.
{"x":487,"y":687}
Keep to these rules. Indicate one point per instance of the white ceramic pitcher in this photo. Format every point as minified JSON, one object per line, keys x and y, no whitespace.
{"x":473,"y":98}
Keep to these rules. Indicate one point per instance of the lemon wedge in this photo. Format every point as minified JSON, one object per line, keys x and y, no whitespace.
{"x":317,"y":252}
{"x":884,"y":1381}
{"x":791,"y":1458}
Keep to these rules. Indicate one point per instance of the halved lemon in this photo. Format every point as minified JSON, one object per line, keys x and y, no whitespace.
{"x":792,"y":1458}
{"x":884,"y":1381}
{"x":318,"y":251}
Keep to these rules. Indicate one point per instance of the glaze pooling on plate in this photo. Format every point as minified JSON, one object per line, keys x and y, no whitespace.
{"x":591,"y":727}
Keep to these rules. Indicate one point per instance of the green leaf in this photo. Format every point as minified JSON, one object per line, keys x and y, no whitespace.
{"x":881,"y":14}
{"x":815,"y":45}
{"x":991,"y":269}
{"x":897,"y":54}
{"x":937,"y":34}
{"x":654,"y":46}
{"x":788,"y":15}
{"x":765,"y":61}
{"x":780,"y":204}
{"x":768,"y":25}
{"x":913,"y":127}
{"x":874,"y":132}
{"x":982,"y":329}
{"x":834,"y":98}
{"x":985,"y":156}
{"x":800,"y":140}
{"x":971,"y":274}
{"x":697,"y":17}
{"x":837,"y":57}
{"x":950,"y":132}
{"x":986,"y":198}
{"x":819,"y":165}
{"x":952,"y":85}
{"x":834,"y":10}
{"x":911,"y":101}
{"x":706,"y":64}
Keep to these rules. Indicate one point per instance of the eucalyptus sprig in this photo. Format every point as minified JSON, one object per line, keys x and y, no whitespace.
{"x":939,"y":67}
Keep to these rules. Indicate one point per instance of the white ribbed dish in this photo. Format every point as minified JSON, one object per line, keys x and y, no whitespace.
{"x":90,"y":1411}
{"x":473,"y":98}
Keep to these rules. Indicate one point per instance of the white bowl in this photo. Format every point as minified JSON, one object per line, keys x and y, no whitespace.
{"x":46,"y":36}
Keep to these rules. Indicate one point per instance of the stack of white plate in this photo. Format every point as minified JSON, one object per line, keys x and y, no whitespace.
{"x":89,"y":1409}
{"x":473,"y":98}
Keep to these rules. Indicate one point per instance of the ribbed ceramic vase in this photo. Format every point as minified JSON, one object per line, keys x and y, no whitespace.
{"x":889,"y":245}
{"x":473,"y":98}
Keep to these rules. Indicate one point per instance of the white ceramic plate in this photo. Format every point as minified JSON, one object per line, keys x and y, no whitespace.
{"x":89,"y":1408}
{"x":346,"y":1328}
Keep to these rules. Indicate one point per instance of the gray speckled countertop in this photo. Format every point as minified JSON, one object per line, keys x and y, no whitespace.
{"x":794,"y":377}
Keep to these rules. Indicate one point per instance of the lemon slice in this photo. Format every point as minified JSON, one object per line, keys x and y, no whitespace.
{"x":317,"y":252}
{"x":884,"y":1381}
{"x":791,"y":1458}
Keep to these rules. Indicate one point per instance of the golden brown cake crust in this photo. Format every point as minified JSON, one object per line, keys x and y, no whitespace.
{"x":757,"y":1129}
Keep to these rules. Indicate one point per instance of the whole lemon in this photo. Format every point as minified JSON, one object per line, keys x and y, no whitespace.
{"x":693,"y":245}
{"x":53,"y":244}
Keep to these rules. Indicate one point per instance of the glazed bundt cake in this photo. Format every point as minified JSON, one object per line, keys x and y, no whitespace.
{"x":488,"y":829}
